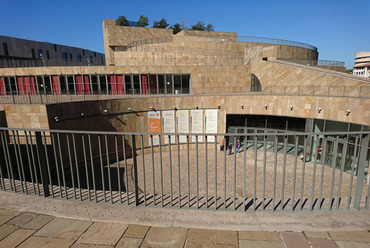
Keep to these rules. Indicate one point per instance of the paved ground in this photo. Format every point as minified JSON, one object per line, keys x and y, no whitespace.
{"x":31,"y":221}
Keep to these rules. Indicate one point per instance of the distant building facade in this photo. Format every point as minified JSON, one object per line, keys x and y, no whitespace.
{"x":362,"y":64}
{"x":15,"y":52}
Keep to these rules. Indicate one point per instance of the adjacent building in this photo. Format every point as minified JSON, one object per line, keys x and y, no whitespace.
{"x":362,"y":64}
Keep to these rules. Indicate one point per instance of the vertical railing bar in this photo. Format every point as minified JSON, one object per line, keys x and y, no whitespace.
{"x":101,"y":168}
{"x":215,"y":180}
{"x":352,"y":172}
{"x":62,"y":167}
{"x":296,"y":141}
{"x":108,"y":164}
{"x":275,"y":167}
{"x":170,"y":158}
{"x":161,"y":168}
{"x":118,"y":169}
{"x":344,"y":154}
{"x":303,"y":170}
{"x":77,"y":167}
{"x":8,"y":162}
{"x":17,"y":162}
{"x":206,"y":167}
{"x":368,"y":197}
{"x":47,"y":164}
{"x":225,"y":150}
{"x":56,"y":165}
{"x":134,"y":170}
{"x":188,"y":168}
{"x":255,"y":173}
{"x":333,"y":165}
{"x":178,"y":169}
{"x":30,"y":162}
{"x":126,"y":171}
{"x":86,"y":169}
{"x":153,"y":169}
{"x":314,"y":171}
{"x":22,"y":168}
{"x":92,"y":168}
{"x":143,"y":160}
{"x":197,"y":169}
{"x":244,"y":171}
{"x":43,"y":169}
{"x":70,"y":166}
{"x":1,"y":170}
{"x":284,"y":167}
{"x":234,"y":176}
{"x":361,"y":171}
{"x":264,"y":171}
{"x":323,"y":161}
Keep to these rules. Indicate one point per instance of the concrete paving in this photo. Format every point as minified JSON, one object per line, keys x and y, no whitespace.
{"x":33,"y":221}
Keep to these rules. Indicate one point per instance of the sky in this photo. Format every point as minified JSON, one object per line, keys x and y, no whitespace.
{"x":338,"y":28}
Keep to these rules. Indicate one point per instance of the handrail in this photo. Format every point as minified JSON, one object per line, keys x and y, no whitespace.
{"x":275,"y":42}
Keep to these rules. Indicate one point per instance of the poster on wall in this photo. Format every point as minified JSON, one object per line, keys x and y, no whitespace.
{"x":154,"y":126}
{"x":210,"y":122}
{"x":196,"y":123}
{"x":182,"y":120}
{"x":168,"y":125}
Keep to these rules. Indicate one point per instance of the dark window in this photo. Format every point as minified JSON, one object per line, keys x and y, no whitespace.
{"x":94,"y":54}
{"x":255,"y":83}
{"x":185,"y":86}
{"x":78,"y":56}
{"x":83,"y":52}
{"x":39,"y":53}
{"x":136,"y":84}
{"x":5,"y":46}
{"x":91,"y":60}
{"x":169,"y":84}
{"x":33,"y":53}
{"x":64,"y":56}
{"x":70,"y":56}
{"x":177,"y":84}
{"x":128,"y":85}
{"x":47,"y":54}
{"x":55,"y":47}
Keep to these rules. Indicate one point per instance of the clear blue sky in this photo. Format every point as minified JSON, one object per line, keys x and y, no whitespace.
{"x":337,"y":28}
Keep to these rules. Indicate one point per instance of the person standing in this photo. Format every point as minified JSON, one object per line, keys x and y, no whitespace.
{"x":230,"y":147}
{"x":237,"y":147}
{"x":223,"y":145}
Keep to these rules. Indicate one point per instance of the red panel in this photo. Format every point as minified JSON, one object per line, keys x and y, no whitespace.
{"x":2,"y":87}
{"x":87,"y":84}
{"x":113,"y":85}
{"x":20,"y":86}
{"x":33,"y":86}
{"x":26,"y":85}
{"x":56,"y":87}
{"x":120,"y":85}
{"x":144,"y":84}
{"x":79,"y":86}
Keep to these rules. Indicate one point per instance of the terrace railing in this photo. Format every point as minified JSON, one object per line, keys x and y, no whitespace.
{"x":271,"y":171}
{"x":315,"y":62}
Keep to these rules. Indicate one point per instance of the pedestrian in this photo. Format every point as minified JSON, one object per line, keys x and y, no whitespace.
{"x":223,"y":145}
{"x":230,"y":148}
{"x":237,"y":147}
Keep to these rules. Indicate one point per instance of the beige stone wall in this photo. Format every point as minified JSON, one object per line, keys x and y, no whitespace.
{"x":26,"y":116}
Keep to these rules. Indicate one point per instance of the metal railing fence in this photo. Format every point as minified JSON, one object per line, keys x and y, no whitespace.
{"x":13,"y":62}
{"x":266,"y":173}
{"x":314,"y":62}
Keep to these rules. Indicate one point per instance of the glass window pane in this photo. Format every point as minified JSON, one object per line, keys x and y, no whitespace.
{"x":185,"y":87}
{"x":136,"y":84}
{"x":128,"y":86}
{"x":177,"y":84}
{"x":169,"y":84}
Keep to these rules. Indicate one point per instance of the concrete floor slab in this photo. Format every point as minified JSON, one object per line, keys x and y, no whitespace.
{"x":260,"y":244}
{"x":208,"y":245}
{"x":321,"y":243}
{"x":165,"y":237}
{"x":356,"y":236}
{"x":259,"y":235}
{"x":38,"y":222}
{"x":136,"y":231}
{"x":5,"y":218}
{"x":16,"y":238}
{"x":129,"y":243}
{"x":64,"y":228}
{"x":347,"y":244}
{"x":22,"y":219}
{"x":90,"y":246}
{"x":103,"y":233}
{"x":6,"y":229}
{"x":202,"y":236}
{"x":294,"y":240}
{"x":46,"y":242}
{"x":317,"y":235}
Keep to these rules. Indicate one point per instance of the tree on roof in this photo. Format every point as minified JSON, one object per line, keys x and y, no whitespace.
{"x":122,"y":21}
{"x":176,"y":28}
{"x":201,"y":26}
{"x":143,"y":21}
{"x":161,"y":24}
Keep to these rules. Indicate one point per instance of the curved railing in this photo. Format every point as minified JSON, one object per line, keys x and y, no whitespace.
{"x":314,"y":62}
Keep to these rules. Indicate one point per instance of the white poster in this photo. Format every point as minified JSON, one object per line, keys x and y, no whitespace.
{"x":210,"y":121}
{"x":196,"y":117}
{"x":168,"y":125}
{"x":154,"y":126}
{"x":182,"y":120}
